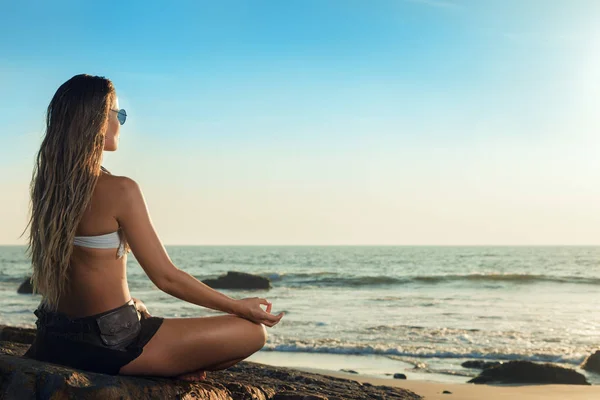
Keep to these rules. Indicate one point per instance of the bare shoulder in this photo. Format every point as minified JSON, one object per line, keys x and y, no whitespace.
{"x":119,"y":185}
{"x":121,"y":191}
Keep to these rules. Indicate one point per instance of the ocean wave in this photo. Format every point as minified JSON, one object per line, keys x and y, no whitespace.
{"x":516,"y":278}
{"x":12,"y":279}
{"x":325,"y":278}
{"x":277,"y":276}
{"x":429,"y":330}
{"x":338,"y":280}
{"x":401,"y":354}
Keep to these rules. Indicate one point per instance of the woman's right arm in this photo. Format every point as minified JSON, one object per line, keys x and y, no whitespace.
{"x":134,"y":219}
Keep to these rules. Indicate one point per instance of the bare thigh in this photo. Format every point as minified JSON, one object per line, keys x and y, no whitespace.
{"x":184,"y":345}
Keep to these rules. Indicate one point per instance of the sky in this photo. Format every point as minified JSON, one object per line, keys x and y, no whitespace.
{"x":401,"y":122}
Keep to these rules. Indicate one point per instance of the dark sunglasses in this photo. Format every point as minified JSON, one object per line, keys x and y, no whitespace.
{"x":121,"y":115}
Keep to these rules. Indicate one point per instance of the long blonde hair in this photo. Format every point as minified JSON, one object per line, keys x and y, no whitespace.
{"x":66,"y":170}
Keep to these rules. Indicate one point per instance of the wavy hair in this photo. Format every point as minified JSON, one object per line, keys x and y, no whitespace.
{"x":65,"y":173}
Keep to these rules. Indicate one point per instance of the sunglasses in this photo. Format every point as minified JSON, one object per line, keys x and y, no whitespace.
{"x":121,"y":115}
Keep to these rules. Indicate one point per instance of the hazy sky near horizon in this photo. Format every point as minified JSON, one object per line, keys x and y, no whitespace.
{"x":442,"y":122}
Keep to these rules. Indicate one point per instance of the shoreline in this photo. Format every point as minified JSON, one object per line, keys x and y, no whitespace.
{"x":466,"y":391}
{"x":429,"y":385}
{"x":370,"y":365}
{"x":383,"y":367}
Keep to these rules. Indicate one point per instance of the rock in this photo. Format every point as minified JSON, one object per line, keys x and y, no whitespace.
{"x":399,"y":376}
{"x":298,"y":396}
{"x":25,"y":379}
{"x":350,"y":371}
{"x":17,"y":335}
{"x":238,"y":280}
{"x":529,"y":372}
{"x":446,"y":392}
{"x":26,"y":287}
{"x":478,"y":364}
{"x":592,"y":363}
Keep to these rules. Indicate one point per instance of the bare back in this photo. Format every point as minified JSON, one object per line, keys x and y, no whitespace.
{"x":99,"y":283}
{"x":98,"y":278}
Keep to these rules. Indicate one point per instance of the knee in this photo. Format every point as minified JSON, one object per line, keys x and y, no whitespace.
{"x":262,"y":336}
{"x":255,"y":334}
{"x":259,"y":335}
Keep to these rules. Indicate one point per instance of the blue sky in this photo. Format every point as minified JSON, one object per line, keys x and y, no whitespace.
{"x":327,"y":122}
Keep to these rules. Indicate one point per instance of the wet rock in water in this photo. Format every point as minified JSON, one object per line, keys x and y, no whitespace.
{"x":26,"y":287}
{"x":478,"y":364}
{"x":238,"y":280}
{"x":529,"y":372}
{"x":592,"y":363}
{"x":26,"y":379}
{"x":399,"y":376}
{"x":350,"y":371}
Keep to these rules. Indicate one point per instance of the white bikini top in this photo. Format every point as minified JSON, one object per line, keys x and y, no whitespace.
{"x":106,"y":241}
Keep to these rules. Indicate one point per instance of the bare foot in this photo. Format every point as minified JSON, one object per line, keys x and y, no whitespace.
{"x":194,"y":376}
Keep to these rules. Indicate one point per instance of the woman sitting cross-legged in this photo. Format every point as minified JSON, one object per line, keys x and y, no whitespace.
{"x":83,"y":223}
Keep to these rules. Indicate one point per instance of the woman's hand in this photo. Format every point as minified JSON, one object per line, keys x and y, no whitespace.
{"x":141,"y":307}
{"x":250,"y":308}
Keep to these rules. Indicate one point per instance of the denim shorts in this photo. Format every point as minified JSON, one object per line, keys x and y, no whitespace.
{"x":101,"y":343}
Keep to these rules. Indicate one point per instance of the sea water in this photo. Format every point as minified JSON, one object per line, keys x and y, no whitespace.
{"x":421,"y":311}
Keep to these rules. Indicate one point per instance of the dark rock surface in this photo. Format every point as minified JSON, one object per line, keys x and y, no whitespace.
{"x":592,"y":363}
{"x":529,"y":372}
{"x":25,"y":379}
{"x":399,"y":376}
{"x":478,"y":364}
{"x":349,"y":371}
{"x":26,"y":287}
{"x":16,"y":335}
{"x":238,"y":280}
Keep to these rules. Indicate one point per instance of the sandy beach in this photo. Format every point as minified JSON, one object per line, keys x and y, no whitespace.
{"x":428,"y":385}
{"x":464,"y":391}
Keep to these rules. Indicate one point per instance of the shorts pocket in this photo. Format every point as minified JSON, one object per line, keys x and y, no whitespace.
{"x":119,"y":327}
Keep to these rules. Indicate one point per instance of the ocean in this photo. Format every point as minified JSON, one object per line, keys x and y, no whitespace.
{"x":421,"y":311}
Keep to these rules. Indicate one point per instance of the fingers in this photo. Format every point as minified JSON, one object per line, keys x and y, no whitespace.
{"x":266,"y":317}
{"x":272,"y":319}
{"x":266,"y":303}
{"x":271,"y":324}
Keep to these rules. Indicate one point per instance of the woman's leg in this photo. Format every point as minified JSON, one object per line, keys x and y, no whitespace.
{"x":184,"y":345}
{"x":201,"y":373}
{"x":224,"y":365}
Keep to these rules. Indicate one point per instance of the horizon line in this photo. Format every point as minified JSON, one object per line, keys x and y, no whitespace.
{"x":360,"y":245}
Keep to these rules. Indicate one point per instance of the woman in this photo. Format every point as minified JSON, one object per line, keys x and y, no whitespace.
{"x":83,"y":222}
